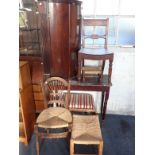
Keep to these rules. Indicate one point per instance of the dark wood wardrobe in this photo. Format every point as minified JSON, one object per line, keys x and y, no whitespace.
{"x":60,"y":23}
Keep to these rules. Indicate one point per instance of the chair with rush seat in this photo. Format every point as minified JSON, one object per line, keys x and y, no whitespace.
{"x":55,"y":121}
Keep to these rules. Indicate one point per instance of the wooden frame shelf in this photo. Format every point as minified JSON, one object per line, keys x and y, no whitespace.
{"x":26,"y":103}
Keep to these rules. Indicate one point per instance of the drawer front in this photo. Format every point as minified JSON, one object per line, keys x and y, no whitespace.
{"x":39,"y":106}
{"x":38,"y":96}
{"x":37,"y":88}
{"x":24,"y":75}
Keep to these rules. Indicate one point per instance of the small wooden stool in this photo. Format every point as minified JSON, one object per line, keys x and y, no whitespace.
{"x":86,"y":130}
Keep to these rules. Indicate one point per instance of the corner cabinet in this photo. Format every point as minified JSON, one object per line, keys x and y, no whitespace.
{"x":60,"y":26}
{"x":26,"y":103}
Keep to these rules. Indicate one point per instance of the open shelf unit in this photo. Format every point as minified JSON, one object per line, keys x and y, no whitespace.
{"x":26,"y":103}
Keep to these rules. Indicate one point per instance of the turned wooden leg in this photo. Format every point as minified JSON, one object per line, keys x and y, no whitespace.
{"x":102,"y":102}
{"x":83,"y":75}
{"x":110,"y":71}
{"x":71,"y":147}
{"x":68,"y":139}
{"x":100,"y":148}
{"x":100,"y":77}
{"x":79,"y":70}
{"x":105,"y":103}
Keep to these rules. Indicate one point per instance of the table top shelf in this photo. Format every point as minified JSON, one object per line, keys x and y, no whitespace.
{"x":90,"y":84}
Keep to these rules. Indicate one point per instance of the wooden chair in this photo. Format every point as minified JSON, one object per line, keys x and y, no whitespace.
{"x":56,"y":92}
{"x":57,"y":88}
{"x":94,"y":51}
{"x":55,"y":121}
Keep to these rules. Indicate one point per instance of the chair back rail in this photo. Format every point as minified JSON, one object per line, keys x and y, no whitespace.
{"x":95,"y":23}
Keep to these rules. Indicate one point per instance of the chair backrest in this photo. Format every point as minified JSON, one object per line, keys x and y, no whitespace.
{"x":56,"y":92}
{"x":95,"y":31}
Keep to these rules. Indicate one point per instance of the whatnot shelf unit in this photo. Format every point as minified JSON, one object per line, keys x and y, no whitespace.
{"x":26,"y":103}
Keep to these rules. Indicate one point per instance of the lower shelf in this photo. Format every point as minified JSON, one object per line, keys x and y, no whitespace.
{"x":22,"y":136}
{"x":21,"y":129}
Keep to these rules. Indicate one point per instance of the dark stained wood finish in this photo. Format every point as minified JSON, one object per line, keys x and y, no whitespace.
{"x":74,"y":38}
{"x":94,"y":23}
{"x":95,"y":52}
{"x":45,"y":34}
{"x":88,"y":85}
{"x":60,"y":31}
{"x":92,"y":84}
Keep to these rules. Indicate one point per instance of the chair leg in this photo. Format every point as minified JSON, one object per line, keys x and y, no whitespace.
{"x":100,"y":148}
{"x":68,"y":140}
{"x":37,"y":139}
{"x":37,"y":144}
{"x":100,"y":77}
{"x":71,"y":147}
{"x":83,"y":76}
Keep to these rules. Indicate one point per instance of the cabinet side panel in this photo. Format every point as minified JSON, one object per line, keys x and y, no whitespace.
{"x":45,"y":34}
{"x":28,"y":110}
{"x":75,"y":24}
{"x":24,"y":75}
{"x":59,"y":32}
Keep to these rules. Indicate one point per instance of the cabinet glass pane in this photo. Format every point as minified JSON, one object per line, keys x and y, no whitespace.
{"x":126,"y":31}
{"x":112,"y":31}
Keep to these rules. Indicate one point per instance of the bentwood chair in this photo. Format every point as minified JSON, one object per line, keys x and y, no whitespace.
{"x":56,"y":120}
{"x":94,"y":47}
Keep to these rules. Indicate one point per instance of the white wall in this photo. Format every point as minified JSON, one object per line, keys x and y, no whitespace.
{"x":122,"y":92}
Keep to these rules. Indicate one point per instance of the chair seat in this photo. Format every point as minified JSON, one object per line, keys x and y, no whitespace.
{"x":84,"y":128}
{"x":54,"y":118}
{"x":54,"y":122}
{"x":81,"y":102}
{"x":95,"y":51}
{"x":102,"y":55}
